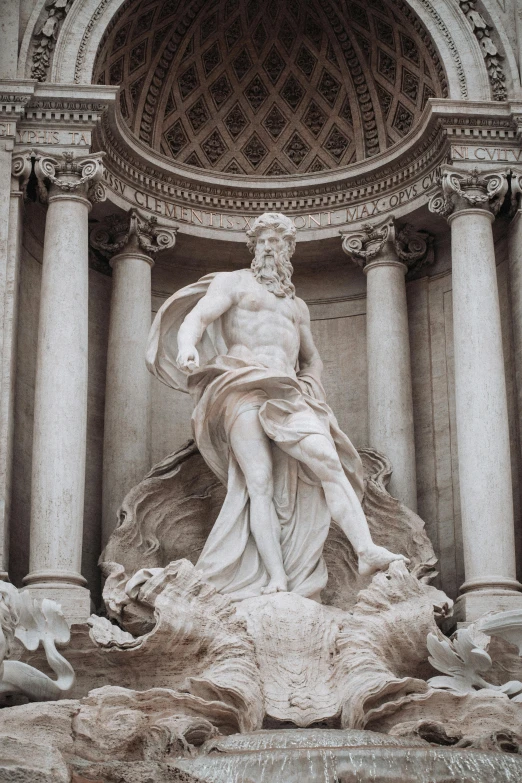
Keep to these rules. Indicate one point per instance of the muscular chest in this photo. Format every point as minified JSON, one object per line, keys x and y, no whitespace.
{"x":263,"y":302}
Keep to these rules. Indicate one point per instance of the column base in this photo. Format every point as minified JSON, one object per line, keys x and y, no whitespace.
{"x":74,"y":600}
{"x":475,"y":604}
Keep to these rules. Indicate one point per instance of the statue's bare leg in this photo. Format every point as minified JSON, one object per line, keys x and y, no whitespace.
{"x":320,"y":455}
{"x":253,"y":452}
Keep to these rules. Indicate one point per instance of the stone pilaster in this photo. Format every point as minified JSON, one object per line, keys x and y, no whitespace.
{"x":60,"y":414}
{"x":14,"y":97}
{"x":129,"y":241}
{"x":385,"y":254}
{"x":470,"y":200}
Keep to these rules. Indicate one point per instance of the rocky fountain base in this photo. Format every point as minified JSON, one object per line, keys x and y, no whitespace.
{"x":176,"y":682}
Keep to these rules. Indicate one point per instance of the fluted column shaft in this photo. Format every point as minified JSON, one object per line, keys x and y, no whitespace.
{"x":60,"y":411}
{"x":390,"y":405}
{"x":486,"y":494}
{"x":126,"y":447}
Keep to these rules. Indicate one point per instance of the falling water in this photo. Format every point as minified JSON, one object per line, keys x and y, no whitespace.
{"x":330,"y":756}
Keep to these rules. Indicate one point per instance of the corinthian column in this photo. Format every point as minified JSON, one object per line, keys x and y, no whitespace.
{"x":130,"y":240}
{"x":385,"y":256}
{"x":470,"y":201}
{"x":60,"y":411}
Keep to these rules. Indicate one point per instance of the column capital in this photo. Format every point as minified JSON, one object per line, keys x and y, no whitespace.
{"x":132,"y":232}
{"x":463,"y":189}
{"x":384,"y":241}
{"x":21,"y":168}
{"x":69,"y":176}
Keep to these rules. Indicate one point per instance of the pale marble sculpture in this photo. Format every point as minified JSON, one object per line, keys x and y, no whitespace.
{"x":32,"y":622}
{"x":240,"y":343}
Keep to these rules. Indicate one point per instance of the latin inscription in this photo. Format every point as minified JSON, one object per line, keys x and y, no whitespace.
{"x":47,"y":137}
{"x":486,"y":154}
{"x":317,"y":220}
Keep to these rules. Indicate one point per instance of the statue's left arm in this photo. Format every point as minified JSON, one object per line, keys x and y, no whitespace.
{"x":309,"y":359}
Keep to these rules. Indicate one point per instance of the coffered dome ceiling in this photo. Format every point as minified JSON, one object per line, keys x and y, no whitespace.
{"x":268,"y":87}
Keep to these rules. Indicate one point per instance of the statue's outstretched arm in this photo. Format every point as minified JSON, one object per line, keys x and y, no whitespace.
{"x":218,"y":299}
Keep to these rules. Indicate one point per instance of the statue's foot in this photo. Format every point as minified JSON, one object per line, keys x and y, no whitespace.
{"x":377,"y":558}
{"x":277,"y":585}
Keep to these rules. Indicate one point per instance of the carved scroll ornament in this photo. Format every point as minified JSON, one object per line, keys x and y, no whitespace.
{"x":132,"y":230}
{"x":80,"y":175}
{"x":465,"y":189}
{"x":411,"y":246}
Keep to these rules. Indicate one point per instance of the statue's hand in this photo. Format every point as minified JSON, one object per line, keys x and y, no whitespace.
{"x":188,"y":359}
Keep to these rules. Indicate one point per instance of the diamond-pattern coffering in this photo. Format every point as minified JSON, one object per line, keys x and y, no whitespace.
{"x":176,"y":138}
{"x":305,"y":61}
{"x":256,"y":93}
{"x":235,"y":121}
{"x":296,"y":149}
{"x":275,"y":122}
{"x":273,"y":65}
{"x":292,"y":92}
{"x":254,"y":151}
{"x":246,"y":86}
{"x":198,"y":114}
{"x":214,"y":147}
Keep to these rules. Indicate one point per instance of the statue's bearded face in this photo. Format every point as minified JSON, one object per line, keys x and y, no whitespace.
{"x":271,"y":265}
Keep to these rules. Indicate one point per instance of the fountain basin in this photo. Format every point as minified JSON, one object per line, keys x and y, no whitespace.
{"x":335,"y":756}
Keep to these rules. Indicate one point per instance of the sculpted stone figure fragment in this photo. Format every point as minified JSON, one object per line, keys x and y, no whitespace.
{"x":240,"y":342}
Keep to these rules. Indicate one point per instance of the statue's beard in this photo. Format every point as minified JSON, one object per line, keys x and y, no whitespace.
{"x":275,"y":273}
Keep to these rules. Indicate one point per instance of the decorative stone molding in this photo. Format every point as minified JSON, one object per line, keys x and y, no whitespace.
{"x":412,"y":247}
{"x":462,"y":189}
{"x":45,"y":37}
{"x":492,"y":57}
{"x":132,"y":231}
{"x":79,"y":175}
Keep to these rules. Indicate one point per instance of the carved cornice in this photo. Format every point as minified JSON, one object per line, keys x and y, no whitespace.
{"x":464,"y":189}
{"x":132,"y":231}
{"x":69,"y":174}
{"x":492,"y":57}
{"x":408,"y":245}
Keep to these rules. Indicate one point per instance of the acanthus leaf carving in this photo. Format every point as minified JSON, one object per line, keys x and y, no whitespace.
{"x":133,"y":230}
{"x":69,"y":174}
{"x":467,"y":189}
{"x":46,"y":35}
{"x":464,"y":659}
{"x":492,"y":57}
{"x":412,"y":247}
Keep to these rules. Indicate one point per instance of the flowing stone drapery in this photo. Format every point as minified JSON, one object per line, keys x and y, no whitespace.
{"x":60,"y":412}
{"x":385,"y":254}
{"x":470,"y":201}
{"x":130,"y":241}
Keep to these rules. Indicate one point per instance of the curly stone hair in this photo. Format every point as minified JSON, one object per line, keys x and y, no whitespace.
{"x":280,"y":223}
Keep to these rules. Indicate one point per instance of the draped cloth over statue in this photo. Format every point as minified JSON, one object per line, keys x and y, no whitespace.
{"x":289,"y":409}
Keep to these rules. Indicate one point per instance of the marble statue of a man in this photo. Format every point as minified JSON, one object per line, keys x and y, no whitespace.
{"x":240,"y":343}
